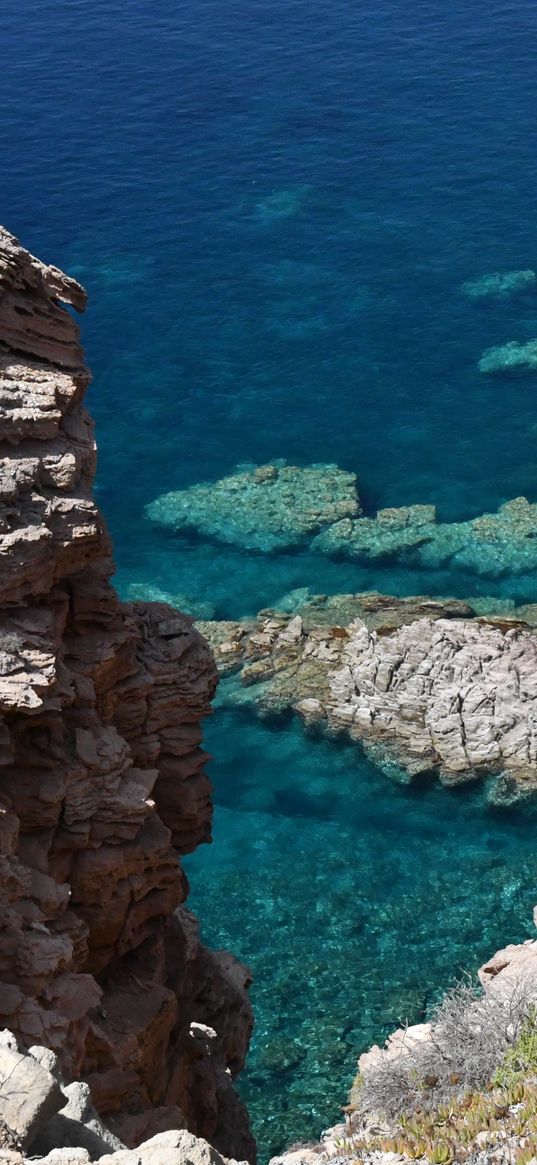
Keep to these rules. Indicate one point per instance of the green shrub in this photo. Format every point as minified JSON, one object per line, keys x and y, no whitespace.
{"x":520,"y":1060}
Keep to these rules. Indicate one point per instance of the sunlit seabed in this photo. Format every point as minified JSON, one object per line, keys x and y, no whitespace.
{"x":354,"y":901}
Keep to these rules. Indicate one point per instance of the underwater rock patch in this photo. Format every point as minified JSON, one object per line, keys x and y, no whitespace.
{"x":500,"y":284}
{"x":267,"y":508}
{"x":391,"y":531}
{"x":510,"y":357}
{"x":147,"y":593}
{"x":280,"y":507}
{"x":490,"y":545}
{"x":281,"y":204}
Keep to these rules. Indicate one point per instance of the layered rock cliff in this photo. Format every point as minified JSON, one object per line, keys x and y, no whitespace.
{"x":101,"y":769}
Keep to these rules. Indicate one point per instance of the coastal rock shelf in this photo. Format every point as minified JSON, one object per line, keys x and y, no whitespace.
{"x":421,"y":692}
{"x":102,"y":782}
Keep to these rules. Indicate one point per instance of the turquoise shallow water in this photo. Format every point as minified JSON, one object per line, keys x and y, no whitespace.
{"x":354,"y":901}
{"x":273,"y":208}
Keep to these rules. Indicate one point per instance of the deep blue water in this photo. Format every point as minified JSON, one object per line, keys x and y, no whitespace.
{"x":273,"y":206}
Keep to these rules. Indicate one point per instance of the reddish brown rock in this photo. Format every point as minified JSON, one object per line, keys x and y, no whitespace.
{"x":101,"y":768}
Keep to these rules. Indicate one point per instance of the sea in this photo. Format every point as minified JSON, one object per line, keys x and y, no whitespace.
{"x":274,"y":205}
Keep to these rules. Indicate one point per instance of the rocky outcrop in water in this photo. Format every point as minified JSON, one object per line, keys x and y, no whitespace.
{"x":101,"y":769}
{"x":491,"y":545}
{"x":271,"y":507}
{"x":511,"y":357}
{"x":420,"y":683}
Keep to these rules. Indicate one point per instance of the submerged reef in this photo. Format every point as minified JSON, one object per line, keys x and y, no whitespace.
{"x":424,"y":687}
{"x":281,"y":204}
{"x":510,"y":357}
{"x":500,"y":284}
{"x":490,"y":545}
{"x":277,"y":507}
{"x":271,"y":507}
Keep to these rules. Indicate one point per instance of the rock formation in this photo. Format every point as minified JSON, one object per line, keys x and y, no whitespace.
{"x":491,"y":545}
{"x":272,"y":507}
{"x":420,"y":683}
{"x":54,"y":1123}
{"x":101,"y":769}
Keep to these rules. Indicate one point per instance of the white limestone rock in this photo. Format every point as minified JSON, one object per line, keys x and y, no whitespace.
{"x":176,"y":1147}
{"x":29,"y":1095}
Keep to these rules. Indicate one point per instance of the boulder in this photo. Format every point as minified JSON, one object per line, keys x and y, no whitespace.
{"x":29,"y":1094}
{"x":177,"y":1147}
{"x":76,"y":1125}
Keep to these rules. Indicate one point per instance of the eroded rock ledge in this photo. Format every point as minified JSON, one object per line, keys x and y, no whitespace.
{"x":422,"y":684}
{"x":101,"y":770}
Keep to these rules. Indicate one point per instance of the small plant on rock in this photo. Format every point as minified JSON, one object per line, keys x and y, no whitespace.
{"x":520,"y":1060}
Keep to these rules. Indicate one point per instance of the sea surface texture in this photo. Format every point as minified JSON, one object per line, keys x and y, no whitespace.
{"x":274,"y":206}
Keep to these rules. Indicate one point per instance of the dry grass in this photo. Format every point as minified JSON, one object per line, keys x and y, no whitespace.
{"x":471,"y":1034}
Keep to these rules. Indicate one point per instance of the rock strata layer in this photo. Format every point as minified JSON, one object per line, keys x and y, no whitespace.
{"x":101,"y":769}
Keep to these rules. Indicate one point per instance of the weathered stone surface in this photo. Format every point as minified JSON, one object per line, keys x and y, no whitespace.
{"x":419,"y":690}
{"x":267,"y":508}
{"x":169,"y":1148}
{"x":29,"y":1095}
{"x":513,"y":966}
{"x":399,"y":1043}
{"x":67,"y":1156}
{"x":76,"y":1125}
{"x":75,"y":1135}
{"x":452,"y":695}
{"x":101,"y":767}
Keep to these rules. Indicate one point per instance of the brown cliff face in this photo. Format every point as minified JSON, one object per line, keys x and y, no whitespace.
{"x":101,"y":769}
